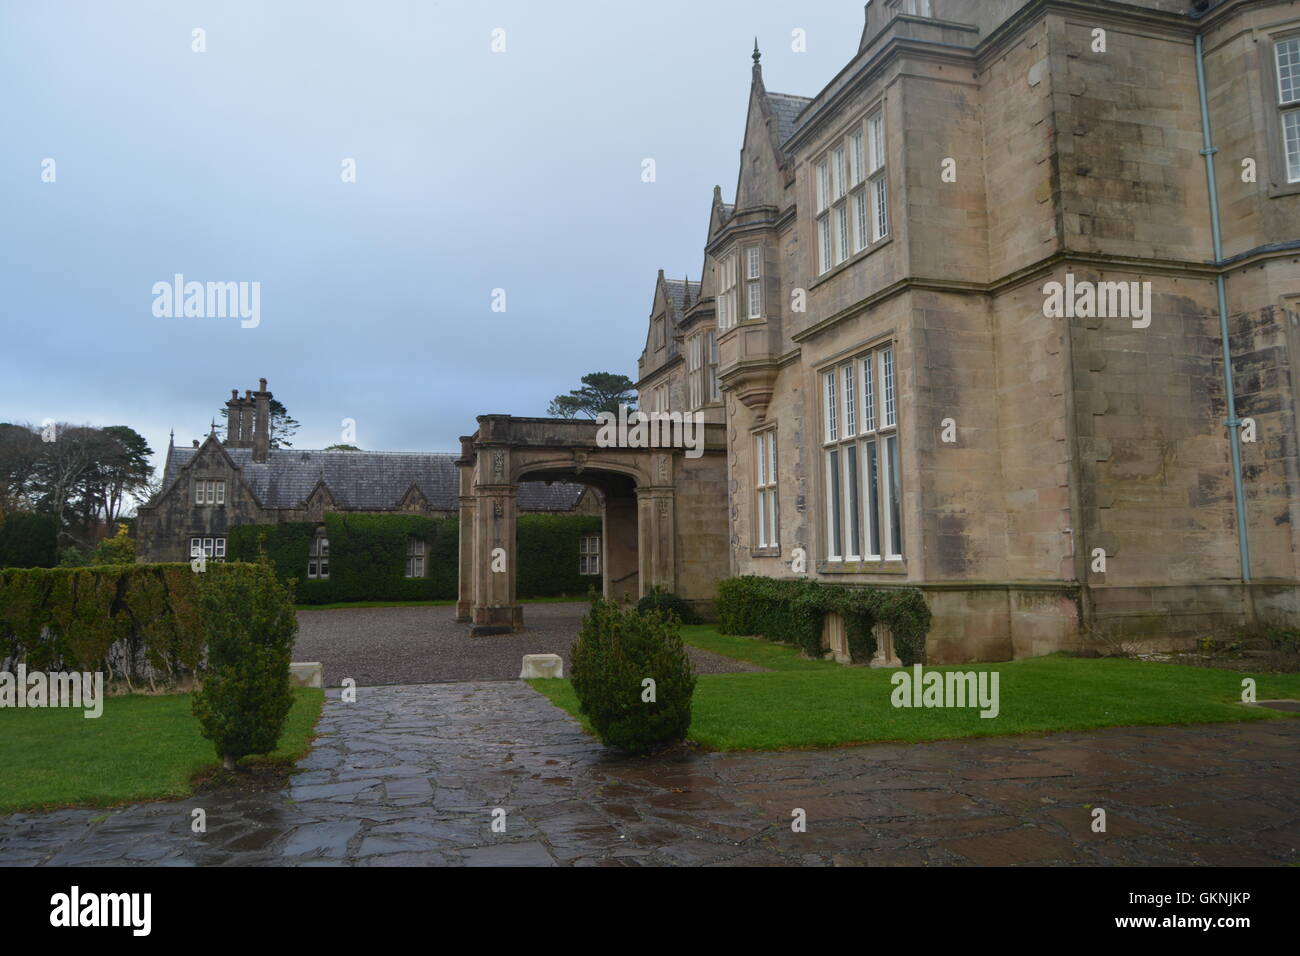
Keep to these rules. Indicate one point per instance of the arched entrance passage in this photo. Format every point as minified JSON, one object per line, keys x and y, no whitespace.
{"x":645,"y":490}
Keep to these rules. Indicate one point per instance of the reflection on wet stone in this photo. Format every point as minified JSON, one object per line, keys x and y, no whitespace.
{"x":410,"y":775}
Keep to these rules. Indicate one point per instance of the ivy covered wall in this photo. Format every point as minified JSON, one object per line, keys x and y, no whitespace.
{"x":367,"y":559}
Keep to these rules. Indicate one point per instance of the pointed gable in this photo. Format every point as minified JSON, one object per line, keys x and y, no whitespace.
{"x":765,"y":169}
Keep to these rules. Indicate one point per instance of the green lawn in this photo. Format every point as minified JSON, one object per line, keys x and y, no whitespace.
{"x":140,"y":748}
{"x":334,"y":607}
{"x":803,"y":703}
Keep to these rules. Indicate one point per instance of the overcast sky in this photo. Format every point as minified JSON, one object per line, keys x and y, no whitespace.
{"x":475,"y":171}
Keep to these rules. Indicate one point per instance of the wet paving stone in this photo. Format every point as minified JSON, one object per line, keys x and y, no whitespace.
{"x":415,"y":776}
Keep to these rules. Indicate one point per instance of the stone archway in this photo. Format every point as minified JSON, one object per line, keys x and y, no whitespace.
{"x":647,"y":492}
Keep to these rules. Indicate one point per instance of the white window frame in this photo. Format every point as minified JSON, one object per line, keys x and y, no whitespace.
{"x":767,"y":520}
{"x":589,"y":554}
{"x":754,"y":282}
{"x":852,"y":193}
{"x":209,"y":491}
{"x":711,"y":362}
{"x":695,"y":371}
{"x":862,"y":474}
{"x":1286,"y":64}
{"x":727,"y":314}
{"x":318,"y":557}
{"x":212,"y":548}
{"x":415,"y":552}
{"x":915,"y":8}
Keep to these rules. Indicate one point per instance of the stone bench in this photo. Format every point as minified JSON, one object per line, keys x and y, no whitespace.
{"x":310,"y":674}
{"x":542,"y":665}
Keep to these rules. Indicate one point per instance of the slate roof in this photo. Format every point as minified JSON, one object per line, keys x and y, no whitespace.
{"x":786,"y":109}
{"x":677,"y":290}
{"x":366,"y":480}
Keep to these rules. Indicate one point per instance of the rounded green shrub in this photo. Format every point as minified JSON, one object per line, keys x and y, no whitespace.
{"x":250,"y":625}
{"x":660,"y":600}
{"x":633,"y":677}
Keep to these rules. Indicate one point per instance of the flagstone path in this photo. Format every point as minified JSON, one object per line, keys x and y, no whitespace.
{"x":412,"y":775}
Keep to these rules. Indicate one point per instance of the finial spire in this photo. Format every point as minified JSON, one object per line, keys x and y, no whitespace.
{"x":757,"y":55}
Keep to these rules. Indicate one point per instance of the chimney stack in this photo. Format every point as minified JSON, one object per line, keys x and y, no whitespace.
{"x":232,"y":419}
{"x":262,"y":426}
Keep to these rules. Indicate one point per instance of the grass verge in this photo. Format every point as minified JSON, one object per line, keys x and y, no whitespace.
{"x":141,"y":748}
{"x":801,"y":703}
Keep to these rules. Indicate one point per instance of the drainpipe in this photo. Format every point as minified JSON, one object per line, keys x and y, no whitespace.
{"x":1232,"y":423}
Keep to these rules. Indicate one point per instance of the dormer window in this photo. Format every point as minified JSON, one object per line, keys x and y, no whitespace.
{"x":209,"y":492}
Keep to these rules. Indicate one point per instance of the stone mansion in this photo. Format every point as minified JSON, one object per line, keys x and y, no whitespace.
{"x":900,"y":404}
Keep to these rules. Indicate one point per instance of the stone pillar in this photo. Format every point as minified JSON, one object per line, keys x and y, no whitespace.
{"x":656,"y":539}
{"x":465,"y":577}
{"x":618,"y":548}
{"x":495,"y":557}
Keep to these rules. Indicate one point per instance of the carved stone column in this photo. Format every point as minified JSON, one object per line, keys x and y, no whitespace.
{"x":656,"y":528}
{"x":495,"y":514}
{"x":465,"y":577}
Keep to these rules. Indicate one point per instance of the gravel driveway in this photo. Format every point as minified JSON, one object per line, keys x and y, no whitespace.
{"x":420,"y":645}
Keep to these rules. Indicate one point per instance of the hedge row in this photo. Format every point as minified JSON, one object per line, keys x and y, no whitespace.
{"x":29,"y":541}
{"x":368,"y":556}
{"x":793,"y":610}
{"x":139,"y":623}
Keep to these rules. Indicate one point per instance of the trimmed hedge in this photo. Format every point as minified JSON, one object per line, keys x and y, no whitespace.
{"x":657,"y":599}
{"x":138,"y":623}
{"x":232,"y":626}
{"x":616,"y":651}
{"x":29,"y":541}
{"x":368,"y":556}
{"x":792,"y":611}
{"x":547,"y":546}
{"x":250,"y":624}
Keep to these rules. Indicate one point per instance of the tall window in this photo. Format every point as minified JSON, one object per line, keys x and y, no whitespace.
{"x":214,"y":548}
{"x":659,"y":334}
{"x":1288,"y":87}
{"x":765,"y":500}
{"x":754,"y":282}
{"x":318,"y":558}
{"x":727,"y":316}
{"x":414,"y":556}
{"x":701,"y":369}
{"x":659,"y":398}
{"x":589,"y":554}
{"x":852,"y":194}
{"x":714,"y":389}
{"x":209,"y":492}
{"x":863,"y":471}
